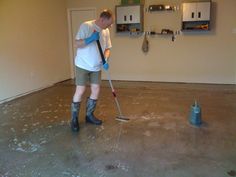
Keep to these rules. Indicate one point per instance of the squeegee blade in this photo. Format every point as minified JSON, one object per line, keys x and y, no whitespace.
{"x":122,"y":118}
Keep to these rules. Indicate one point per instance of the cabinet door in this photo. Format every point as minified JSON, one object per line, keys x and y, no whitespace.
{"x":189,"y":11}
{"x":134,"y":14}
{"x":122,"y":15}
{"x":128,"y":14}
{"x":203,"y":11}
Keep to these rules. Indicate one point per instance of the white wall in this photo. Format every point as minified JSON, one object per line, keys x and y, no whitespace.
{"x":197,"y":58}
{"x":33,"y":45}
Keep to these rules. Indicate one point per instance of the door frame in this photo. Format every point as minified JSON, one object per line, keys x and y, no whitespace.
{"x":70,"y":34}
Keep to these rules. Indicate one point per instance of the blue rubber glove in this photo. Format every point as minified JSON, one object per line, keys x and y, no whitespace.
{"x":95,"y":36}
{"x":106,"y":66}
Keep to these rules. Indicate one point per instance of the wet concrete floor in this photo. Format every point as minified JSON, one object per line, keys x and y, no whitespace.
{"x":158,"y":141}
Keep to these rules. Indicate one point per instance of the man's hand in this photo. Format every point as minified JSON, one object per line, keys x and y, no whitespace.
{"x":94,"y":37}
{"x":106,"y":65}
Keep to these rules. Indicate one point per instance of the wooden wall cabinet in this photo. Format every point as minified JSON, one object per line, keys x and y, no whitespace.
{"x":196,"y":16}
{"x":129,"y":19}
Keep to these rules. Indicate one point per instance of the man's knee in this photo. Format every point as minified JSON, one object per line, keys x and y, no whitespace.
{"x":80,"y":90}
{"x":95,"y":89}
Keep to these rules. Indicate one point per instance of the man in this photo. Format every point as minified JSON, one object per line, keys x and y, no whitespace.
{"x":88,"y":65}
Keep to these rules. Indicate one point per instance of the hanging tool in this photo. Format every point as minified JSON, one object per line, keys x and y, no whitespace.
{"x":120,"y":117}
{"x":145,"y":46}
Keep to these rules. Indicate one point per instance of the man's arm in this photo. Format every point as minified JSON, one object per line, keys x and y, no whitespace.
{"x":107,"y":53}
{"x":83,"y":42}
{"x":80,"y":43}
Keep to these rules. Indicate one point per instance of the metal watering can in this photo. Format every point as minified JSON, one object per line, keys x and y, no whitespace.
{"x":195,"y":115}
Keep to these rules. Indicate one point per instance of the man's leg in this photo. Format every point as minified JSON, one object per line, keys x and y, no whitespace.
{"x":75,"y":107}
{"x":81,"y":79}
{"x":95,"y":90}
{"x":95,"y":79}
{"x":79,"y":93}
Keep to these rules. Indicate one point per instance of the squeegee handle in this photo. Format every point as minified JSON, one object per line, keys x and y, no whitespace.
{"x":101,"y":53}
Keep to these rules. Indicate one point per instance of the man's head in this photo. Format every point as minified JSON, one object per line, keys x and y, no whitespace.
{"x":105,"y":19}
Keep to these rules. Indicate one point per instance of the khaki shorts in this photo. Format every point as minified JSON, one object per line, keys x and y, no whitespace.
{"x":82,"y":77}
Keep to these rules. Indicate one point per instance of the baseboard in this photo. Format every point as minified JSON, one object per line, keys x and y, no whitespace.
{"x":24,"y":94}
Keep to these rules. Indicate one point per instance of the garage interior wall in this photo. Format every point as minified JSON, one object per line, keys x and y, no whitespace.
{"x":34,"y":50}
{"x":196,"y":57}
{"x":34,"y":46}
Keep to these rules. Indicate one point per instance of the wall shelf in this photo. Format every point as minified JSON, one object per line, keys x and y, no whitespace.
{"x":169,"y":33}
{"x":160,"y":8}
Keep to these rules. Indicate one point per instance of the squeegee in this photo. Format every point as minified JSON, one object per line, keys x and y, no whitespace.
{"x":120,"y":117}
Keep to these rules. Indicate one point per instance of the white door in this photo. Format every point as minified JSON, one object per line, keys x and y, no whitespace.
{"x":189,"y":11}
{"x":134,"y":15}
{"x":203,"y":11}
{"x":122,"y":14}
{"x":75,"y":18}
{"x":199,"y":11}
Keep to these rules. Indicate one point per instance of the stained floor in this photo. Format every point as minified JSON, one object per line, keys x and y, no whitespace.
{"x":158,"y":141}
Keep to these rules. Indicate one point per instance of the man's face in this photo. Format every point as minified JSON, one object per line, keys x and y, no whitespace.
{"x":106,"y":23}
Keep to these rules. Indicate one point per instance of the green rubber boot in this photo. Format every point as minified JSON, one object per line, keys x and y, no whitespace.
{"x":74,"y":116}
{"x":90,"y":108}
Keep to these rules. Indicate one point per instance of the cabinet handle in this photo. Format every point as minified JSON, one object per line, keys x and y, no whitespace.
{"x":125,"y":18}
{"x":192,"y":14}
{"x":199,"y":14}
{"x":131,"y":17}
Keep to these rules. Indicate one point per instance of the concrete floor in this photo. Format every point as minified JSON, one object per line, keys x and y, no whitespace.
{"x":158,"y":141}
